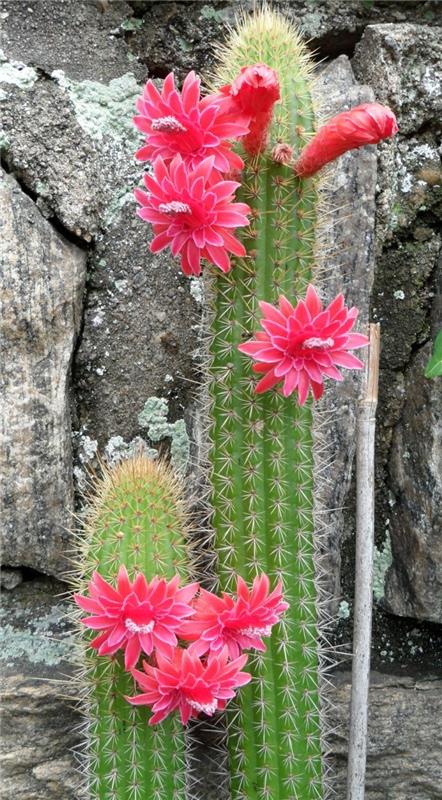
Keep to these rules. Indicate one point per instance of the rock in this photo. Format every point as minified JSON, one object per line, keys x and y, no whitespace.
{"x":414,"y":581}
{"x":10,"y":578}
{"x":403,"y":63}
{"x":347,"y":260}
{"x":400,"y":764}
{"x":183,"y":36}
{"x":85,"y":40}
{"x":140,"y":331}
{"x":39,"y":721}
{"x":42,"y":291}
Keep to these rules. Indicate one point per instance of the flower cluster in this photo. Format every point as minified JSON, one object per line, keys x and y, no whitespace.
{"x":300,"y":346}
{"x":189,"y":198}
{"x":159,"y":618}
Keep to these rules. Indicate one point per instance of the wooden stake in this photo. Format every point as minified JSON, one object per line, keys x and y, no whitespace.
{"x":363,"y":601}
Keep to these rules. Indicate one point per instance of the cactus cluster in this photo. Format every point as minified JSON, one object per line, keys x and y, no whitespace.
{"x":252,"y":211}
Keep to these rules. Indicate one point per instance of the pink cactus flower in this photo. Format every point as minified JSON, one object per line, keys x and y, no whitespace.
{"x":365,"y":124}
{"x":254,"y":93}
{"x":192,"y":213}
{"x":186,"y":683}
{"x":136,"y":615}
{"x":184,"y":124}
{"x":303,"y":345}
{"x":236,"y":623}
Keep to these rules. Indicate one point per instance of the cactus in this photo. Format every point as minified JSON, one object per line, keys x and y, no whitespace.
{"x":260,"y":456}
{"x":136,"y":517}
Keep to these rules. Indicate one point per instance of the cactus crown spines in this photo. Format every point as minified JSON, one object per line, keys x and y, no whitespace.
{"x":261,"y":459}
{"x":136,"y":516}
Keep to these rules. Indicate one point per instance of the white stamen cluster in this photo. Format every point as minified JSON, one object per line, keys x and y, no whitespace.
{"x":265,"y":631}
{"x":175,"y":207}
{"x":204,"y":708}
{"x":134,"y":628}
{"x":168,"y":125}
{"x":321,"y":344}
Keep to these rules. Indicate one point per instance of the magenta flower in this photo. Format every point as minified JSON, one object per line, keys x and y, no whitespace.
{"x":236,"y":623}
{"x":185,"y":683}
{"x":184,"y":124}
{"x":303,"y":345}
{"x":368,"y":123}
{"x":192,"y":213}
{"x":137,"y":615}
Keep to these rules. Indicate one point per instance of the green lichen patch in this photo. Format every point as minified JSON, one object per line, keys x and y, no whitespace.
{"x":382,"y":561}
{"x":154,"y":418}
{"x":16,"y":73}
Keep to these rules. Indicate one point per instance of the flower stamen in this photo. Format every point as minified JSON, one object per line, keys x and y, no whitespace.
{"x":134,"y":628}
{"x":168,"y":125}
{"x":174,"y":207}
{"x":318,"y":343}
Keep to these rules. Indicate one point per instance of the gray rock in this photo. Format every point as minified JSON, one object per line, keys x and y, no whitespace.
{"x":85,"y":39}
{"x":403,"y":63}
{"x":39,"y":720}
{"x":43,"y":278}
{"x":347,"y":259}
{"x":10,"y":578}
{"x":140,"y":331}
{"x":183,"y":36}
{"x":414,"y":581}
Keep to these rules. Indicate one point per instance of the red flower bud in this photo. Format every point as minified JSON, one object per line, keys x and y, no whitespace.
{"x":365,"y":124}
{"x":254,"y":93}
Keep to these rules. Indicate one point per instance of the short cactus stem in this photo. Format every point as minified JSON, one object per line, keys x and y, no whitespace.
{"x":261,"y":453}
{"x":135,"y":518}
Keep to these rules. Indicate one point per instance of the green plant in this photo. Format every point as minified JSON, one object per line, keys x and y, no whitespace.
{"x":434,"y":366}
{"x":135,"y":517}
{"x":261,"y":451}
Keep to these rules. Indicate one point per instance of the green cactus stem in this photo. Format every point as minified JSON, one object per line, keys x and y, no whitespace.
{"x":136,"y":517}
{"x":260,"y":457}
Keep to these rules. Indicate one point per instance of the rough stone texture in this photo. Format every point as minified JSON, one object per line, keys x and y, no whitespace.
{"x":43,"y":278}
{"x":414,"y":582}
{"x":41,"y":723}
{"x":404,"y":63}
{"x":139,"y":332}
{"x":347,"y":259}
{"x":185,"y":34}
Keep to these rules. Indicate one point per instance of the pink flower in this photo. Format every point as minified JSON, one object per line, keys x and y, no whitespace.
{"x":137,"y":615}
{"x":254,"y":93}
{"x":183,"y":124}
{"x":234,"y":623}
{"x":300,"y":346}
{"x":365,"y":124}
{"x":193,"y":213}
{"x":186,"y":683}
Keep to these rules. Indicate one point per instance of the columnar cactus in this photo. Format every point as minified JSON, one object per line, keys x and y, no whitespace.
{"x":136,"y":517}
{"x":261,"y":458}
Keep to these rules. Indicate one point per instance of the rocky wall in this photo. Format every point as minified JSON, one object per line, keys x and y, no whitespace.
{"x":102,"y":349}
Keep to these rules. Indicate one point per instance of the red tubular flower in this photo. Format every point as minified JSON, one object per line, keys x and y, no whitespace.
{"x":193,"y":213}
{"x":185,"y":683}
{"x":184,"y":124}
{"x":301,"y":346}
{"x":254,"y":93}
{"x":238,"y":623}
{"x":136,"y":615}
{"x":365,"y":124}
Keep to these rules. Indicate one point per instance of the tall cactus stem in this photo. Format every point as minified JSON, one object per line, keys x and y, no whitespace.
{"x":136,"y":516}
{"x":261,"y":446}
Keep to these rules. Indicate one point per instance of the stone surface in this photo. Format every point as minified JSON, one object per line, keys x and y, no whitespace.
{"x":346,"y":259}
{"x":140,"y":331}
{"x":185,"y":34}
{"x":41,"y":724}
{"x":404,"y":63}
{"x":414,"y":581}
{"x":43,"y":279}
{"x":39,"y":720}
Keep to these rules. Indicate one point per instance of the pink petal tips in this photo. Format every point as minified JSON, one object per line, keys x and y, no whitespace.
{"x":185,"y":683}
{"x":193,"y":213}
{"x":182,"y":124}
{"x":366,"y":124}
{"x":302,"y":345}
{"x":136,"y":616}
